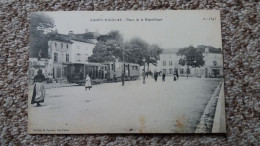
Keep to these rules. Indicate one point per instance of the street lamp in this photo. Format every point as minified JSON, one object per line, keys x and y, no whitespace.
{"x":144,"y":70}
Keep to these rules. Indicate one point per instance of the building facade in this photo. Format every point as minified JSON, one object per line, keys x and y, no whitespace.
{"x":169,"y":64}
{"x":59,"y":52}
{"x":64,"y":49}
{"x":213,"y":64}
{"x":80,"y":51}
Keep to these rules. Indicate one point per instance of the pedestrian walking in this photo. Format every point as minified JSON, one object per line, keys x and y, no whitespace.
{"x":155,"y":76}
{"x":38,"y":88}
{"x":123,"y":78}
{"x":177,"y":74}
{"x":174,"y":77}
{"x":88,"y":82}
{"x":163,"y":77}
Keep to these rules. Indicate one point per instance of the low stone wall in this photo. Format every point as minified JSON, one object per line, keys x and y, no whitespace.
{"x":219,"y":125}
{"x":207,"y":119}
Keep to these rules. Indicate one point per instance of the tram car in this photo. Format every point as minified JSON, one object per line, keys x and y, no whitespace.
{"x":114,"y":70}
{"x":76,"y":72}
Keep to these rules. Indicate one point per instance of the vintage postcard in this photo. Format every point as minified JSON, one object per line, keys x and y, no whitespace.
{"x":126,"y":72}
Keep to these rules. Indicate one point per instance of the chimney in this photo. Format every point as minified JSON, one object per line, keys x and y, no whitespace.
{"x":70,"y":34}
{"x":206,"y":50}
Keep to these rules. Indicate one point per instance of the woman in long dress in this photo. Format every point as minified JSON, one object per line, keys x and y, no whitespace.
{"x":88,"y":82}
{"x":38,"y":88}
{"x":175,"y":77}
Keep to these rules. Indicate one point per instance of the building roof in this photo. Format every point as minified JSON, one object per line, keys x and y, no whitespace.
{"x":210,"y":49}
{"x":201,"y":48}
{"x":67,"y":38}
{"x":170,"y":51}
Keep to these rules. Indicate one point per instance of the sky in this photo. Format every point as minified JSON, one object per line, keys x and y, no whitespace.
{"x":172,"y":29}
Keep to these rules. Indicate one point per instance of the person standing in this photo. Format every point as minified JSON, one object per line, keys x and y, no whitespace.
{"x":177,"y":74}
{"x":38,"y":88}
{"x":163,"y":77}
{"x":123,"y":78}
{"x":174,"y":77}
{"x":155,"y":76}
{"x":88,"y":82}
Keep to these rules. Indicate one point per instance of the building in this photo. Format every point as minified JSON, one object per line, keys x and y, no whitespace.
{"x":71,"y":48}
{"x":169,"y":63}
{"x":213,"y":63}
{"x":59,"y":51}
{"x":81,"y":50}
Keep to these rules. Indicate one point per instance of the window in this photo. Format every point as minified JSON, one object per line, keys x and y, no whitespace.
{"x":67,"y":46}
{"x":170,"y":71}
{"x":61,"y":44}
{"x":67,"y":58}
{"x":170,"y":63}
{"x":164,"y":63}
{"x":112,"y":66}
{"x":164,"y":71}
{"x":58,"y":72}
{"x":55,"y":57}
{"x":181,"y":71}
{"x":214,"y":63}
{"x":215,"y":72}
{"x":78,"y":57}
{"x":55,"y":44}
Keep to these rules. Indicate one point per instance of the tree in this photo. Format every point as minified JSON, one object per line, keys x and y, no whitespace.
{"x":135,"y":50}
{"x":190,"y":56}
{"x":40,"y":25}
{"x":153,"y":55}
{"x":101,"y":53}
{"x":108,"y":48}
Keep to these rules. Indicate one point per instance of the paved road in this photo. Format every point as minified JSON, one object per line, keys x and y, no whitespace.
{"x":154,"y":107}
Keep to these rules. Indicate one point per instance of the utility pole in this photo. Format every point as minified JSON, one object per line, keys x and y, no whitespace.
{"x":123,"y":74}
{"x":124,"y":57}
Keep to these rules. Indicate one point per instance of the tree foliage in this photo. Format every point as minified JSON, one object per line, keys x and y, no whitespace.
{"x":153,"y":55}
{"x":191,"y":57}
{"x":40,"y":25}
{"x":110,"y":47}
{"x":136,"y":49}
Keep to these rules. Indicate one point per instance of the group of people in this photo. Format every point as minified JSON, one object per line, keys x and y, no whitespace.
{"x":175,"y":76}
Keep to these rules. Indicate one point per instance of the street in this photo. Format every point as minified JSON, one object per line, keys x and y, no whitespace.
{"x":154,"y":107}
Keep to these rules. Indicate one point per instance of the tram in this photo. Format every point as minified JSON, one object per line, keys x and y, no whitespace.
{"x":76,"y":72}
{"x":114,"y":70}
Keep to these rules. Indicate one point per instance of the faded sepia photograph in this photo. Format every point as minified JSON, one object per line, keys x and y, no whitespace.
{"x":126,"y":72}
